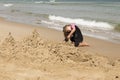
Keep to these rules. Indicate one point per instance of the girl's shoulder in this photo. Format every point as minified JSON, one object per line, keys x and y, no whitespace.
{"x":72,"y":25}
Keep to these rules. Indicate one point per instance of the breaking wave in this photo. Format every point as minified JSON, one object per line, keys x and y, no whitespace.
{"x":87,"y":23}
{"x":8,"y":5}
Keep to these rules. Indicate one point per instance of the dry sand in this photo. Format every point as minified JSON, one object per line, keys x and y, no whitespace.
{"x":27,"y":54}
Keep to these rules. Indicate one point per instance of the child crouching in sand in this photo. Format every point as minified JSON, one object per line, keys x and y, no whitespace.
{"x":73,"y":33}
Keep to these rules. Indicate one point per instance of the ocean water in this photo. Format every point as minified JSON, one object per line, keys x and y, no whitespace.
{"x":100,"y":19}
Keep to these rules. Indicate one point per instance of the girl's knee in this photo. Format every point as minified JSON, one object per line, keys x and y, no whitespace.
{"x":76,"y":44}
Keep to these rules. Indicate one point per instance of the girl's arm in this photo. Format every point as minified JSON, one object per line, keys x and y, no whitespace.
{"x":73,"y":30}
{"x":65,"y":35}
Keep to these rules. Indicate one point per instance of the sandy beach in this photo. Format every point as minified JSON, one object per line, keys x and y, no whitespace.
{"x":30,"y":52}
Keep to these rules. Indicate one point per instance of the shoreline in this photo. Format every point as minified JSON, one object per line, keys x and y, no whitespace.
{"x":19,"y":31}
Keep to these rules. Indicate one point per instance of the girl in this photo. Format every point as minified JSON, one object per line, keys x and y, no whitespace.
{"x":73,"y":33}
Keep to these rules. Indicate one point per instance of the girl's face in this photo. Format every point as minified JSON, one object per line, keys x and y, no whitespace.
{"x":68,"y":28}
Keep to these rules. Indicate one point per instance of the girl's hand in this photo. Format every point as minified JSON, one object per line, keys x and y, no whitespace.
{"x":68,"y":37}
{"x":66,"y":40}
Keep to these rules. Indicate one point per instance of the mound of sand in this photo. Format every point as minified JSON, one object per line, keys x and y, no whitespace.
{"x":36,"y":53}
{"x":33,"y":49}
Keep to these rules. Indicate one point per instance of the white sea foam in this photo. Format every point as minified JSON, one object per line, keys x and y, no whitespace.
{"x":8,"y":5}
{"x":52,"y":24}
{"x":39,"y":2}
{"x":87,"y":23}
{"x":47,"y":22}
{"x":52,"y":1}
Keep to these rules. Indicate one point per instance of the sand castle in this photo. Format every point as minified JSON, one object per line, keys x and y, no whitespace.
{"x":36,"y":53}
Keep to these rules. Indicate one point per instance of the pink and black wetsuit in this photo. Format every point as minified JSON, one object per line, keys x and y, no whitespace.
{"x":77,"y":35}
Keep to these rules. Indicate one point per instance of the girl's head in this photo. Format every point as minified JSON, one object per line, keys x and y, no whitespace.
{"x":67,"y":28}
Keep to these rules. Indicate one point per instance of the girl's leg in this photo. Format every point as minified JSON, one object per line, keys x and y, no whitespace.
{"x":76,"y":44}
{"x":82,"y":44}
{"x":72,"y":39}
